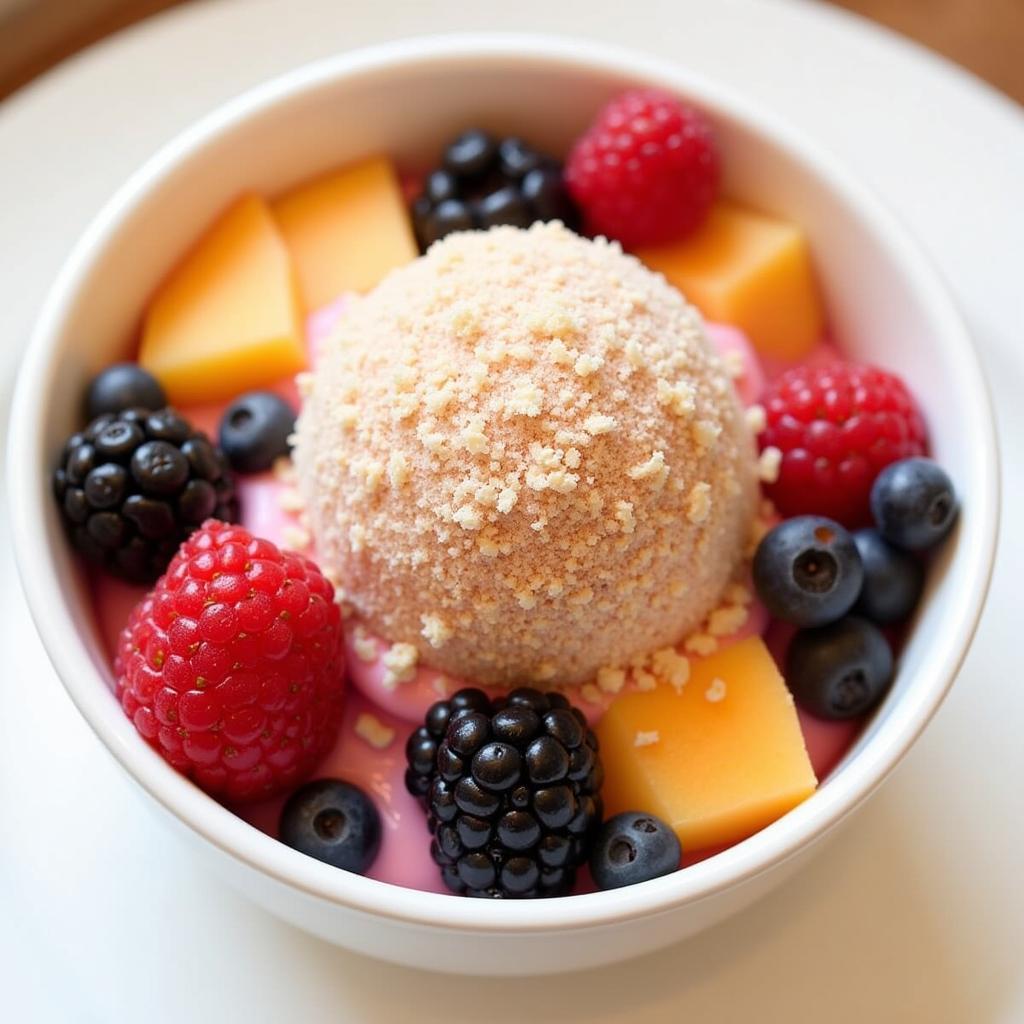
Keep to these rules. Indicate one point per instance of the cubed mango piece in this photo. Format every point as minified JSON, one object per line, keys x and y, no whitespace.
{"x":719,"y":759}
{"x":749,"y":270}
{"x":346,"y":230}
{"x":228,"y":318}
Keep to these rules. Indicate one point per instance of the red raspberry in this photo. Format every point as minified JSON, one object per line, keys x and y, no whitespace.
{"x":646,"y":171}
{"x":837,"y":426}
{"x":231,"y":668}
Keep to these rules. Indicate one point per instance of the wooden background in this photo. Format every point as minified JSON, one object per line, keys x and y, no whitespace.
{"x":986,"y":36}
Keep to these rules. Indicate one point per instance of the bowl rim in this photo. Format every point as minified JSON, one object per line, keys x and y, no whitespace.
{"x":785,"y":838}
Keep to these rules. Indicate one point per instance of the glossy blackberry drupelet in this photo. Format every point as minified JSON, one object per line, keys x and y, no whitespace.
{"x":333,"y":821}
{"x":133,"y":485}
{"x":483,"y":182}
{"x":512,"y":791}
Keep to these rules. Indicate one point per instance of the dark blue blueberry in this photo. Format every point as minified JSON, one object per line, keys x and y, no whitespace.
{"x":471,"y":154}
{"x":633,"y":847}
{"x":913,"y":503}
{"x":255,"y":429}
{"x":840,"y":670}
{"x":123,"y":386}
{"x":807,"y":571}
{"x":332,"y":821}
{"x":893,"y":579}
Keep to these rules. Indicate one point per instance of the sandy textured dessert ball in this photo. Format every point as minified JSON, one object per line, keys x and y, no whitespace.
{"x":521,"y":455}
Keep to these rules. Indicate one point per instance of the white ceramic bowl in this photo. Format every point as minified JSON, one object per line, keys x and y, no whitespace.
{"x":885,"y":303}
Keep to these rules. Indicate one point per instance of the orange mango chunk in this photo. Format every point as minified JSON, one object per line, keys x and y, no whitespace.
{"x":749,"y":270}
{"x":346,"y":230}
{"x":227,"y":319}
{"x":717,"y":761}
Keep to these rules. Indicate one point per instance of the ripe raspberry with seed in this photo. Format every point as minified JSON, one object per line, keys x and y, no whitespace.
{"x":646,"y":171}
{"x":232,"y":666}
{"x":837,"y":426}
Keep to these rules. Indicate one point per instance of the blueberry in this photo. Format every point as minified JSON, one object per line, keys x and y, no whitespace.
{"x":633,"y":847}
{"x":332,"y":821}
{"x":505,"y":206}
{"x":471,"y":154}
{"x":807,"y":571}
{"x":122,"y":386}
{"x":254,"y":431}
{"x":893,"y":579}
{"x":913,"y":503}
{"x":840,"y":670}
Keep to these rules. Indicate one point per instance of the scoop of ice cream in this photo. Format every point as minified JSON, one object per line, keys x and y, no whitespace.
{"x":521,"y":455}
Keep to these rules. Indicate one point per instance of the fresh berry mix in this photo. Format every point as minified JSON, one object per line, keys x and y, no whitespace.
{"x":512,"y":791}
{"x":134,"y":484}
{"x":808,"y":571}
{"x":332,"y":821}
{"x":231,"y":668}
{"x":647,"y":170}
{"x":913,"y":504}
{"x":837,"y":426}
{"x":892,"y":580}
{"x":255,"y":430}
{"x":841,"y":670}
{"x":123,"y":386}
{"x":633,"y":847}
{"x":483,"y":182}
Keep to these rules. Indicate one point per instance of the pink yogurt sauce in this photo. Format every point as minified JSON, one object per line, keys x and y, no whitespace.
{"x":404,"y":857}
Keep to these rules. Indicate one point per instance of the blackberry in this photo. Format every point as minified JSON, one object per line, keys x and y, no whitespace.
{"x":483,"y":182}
{"x":133,"y":485}
{"x":512,"y":791}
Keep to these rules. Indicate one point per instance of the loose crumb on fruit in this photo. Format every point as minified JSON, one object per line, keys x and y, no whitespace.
{"x":296,"y":538}
{"x":768,"y":465}
{"x":727,"y":620}
{"x":716,"y":691}
{"x":701,"y":643}
{"x":399,"y":663}
{"x":371,"y":729}
{"x":756,"y":419}
{"x":590,"y":693}
{"x":290,"y":500}
{"x":646,"y":739}
{"x":611,"y":679}
{"x":364,"y":646}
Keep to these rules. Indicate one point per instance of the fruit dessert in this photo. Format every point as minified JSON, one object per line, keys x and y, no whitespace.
{"x":508,"y":528}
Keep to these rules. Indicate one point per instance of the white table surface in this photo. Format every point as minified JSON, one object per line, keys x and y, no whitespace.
{"x":916,"y":913}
